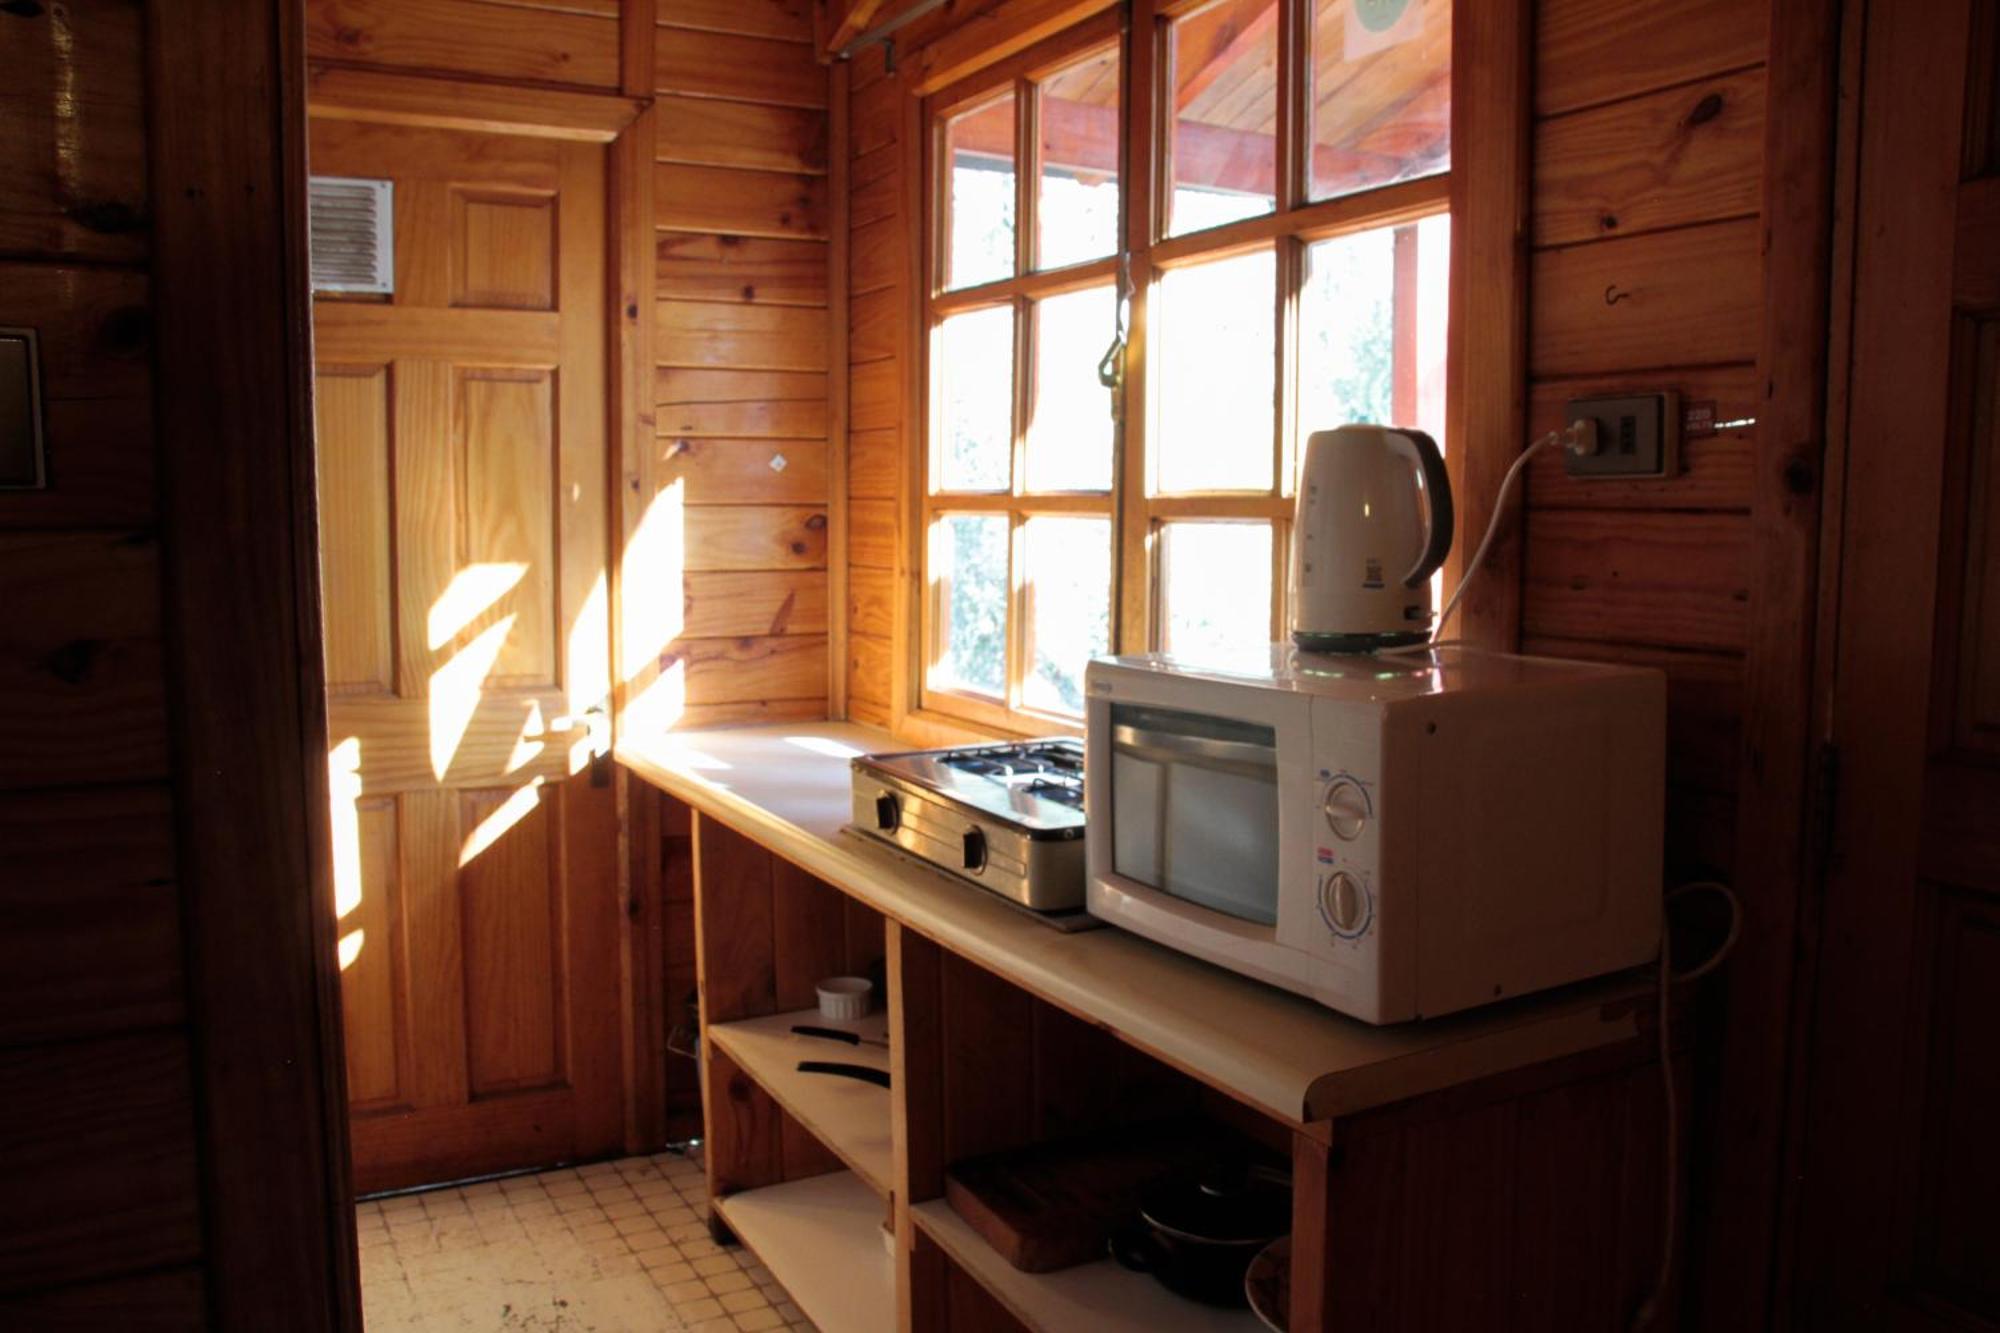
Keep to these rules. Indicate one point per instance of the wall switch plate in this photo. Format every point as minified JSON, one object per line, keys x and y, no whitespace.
{"x":1638,"y":435}
{"x":22,"y":465}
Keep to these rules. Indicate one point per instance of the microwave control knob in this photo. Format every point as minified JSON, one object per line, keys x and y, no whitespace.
{"x":1343,"y":904}
{"x":1346,"y":808}
{"x":975,"y":850}
{"x":888,"y":813}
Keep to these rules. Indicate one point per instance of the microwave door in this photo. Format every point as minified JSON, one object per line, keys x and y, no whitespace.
{"x":1195,"y":809}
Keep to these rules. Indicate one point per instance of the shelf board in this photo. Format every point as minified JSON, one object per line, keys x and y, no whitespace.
{"x":849,"y":1117}
{"x":1099,"y":1296}
{"x":822,"y":1240}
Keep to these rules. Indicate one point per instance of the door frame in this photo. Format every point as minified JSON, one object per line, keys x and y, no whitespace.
{"x":624,"y":125}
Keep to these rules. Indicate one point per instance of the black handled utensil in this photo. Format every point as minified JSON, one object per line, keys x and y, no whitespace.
{"x":837,"y":1034}
{"x":860,"y":1073}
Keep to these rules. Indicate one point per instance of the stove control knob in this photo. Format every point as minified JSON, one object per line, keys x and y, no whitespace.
{"x":1347,"y":808}
{"x":975,"y":850}
{"x":888,"y":813}
{"x":1343,"y":904}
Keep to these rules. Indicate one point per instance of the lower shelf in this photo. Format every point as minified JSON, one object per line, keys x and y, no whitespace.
{"x":1101,"y":1297}
{"x":822,"y":1240}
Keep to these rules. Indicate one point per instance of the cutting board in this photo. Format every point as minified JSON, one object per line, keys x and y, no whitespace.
{"x":1055,"y":1205}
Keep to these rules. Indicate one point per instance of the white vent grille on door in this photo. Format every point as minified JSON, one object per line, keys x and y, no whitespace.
{"x":353,"y":248}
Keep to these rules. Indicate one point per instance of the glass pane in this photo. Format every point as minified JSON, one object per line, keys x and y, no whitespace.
{"x":1381,"y":93}
{"x":1225,"y":115}
{"x":1068,"y":591}
{"x":1078,"y":215}
{"x":979,"y":242}
{"x":1215,"y":591}
{"x":1372,"y":317}
{"x":1069,"y":433}
{"x":1213,"y":334}
{"x":969,"y":569}
{"x":974,"y":356}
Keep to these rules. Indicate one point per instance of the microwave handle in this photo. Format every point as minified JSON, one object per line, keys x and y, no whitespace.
{"x":1193,"y":747}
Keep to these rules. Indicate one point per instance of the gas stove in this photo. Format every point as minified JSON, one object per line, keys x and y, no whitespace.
{"x":1007,"y":817}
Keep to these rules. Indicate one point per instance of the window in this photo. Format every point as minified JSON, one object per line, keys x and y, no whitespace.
{"x":1281,"y":265}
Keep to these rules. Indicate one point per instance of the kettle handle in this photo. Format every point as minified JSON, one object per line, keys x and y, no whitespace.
{"x":1437,"y":489}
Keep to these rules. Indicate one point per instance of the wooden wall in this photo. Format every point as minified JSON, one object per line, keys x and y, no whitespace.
{"x":880,"y":340}
{"x":742,"y":338}
{"x":99,"y":1188}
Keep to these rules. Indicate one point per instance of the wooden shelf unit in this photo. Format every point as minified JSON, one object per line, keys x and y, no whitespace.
{"x":1494,"y":1171}
{"x":822,"y":1238}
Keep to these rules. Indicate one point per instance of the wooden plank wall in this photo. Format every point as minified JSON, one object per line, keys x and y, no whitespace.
{"x":99,"y":1189}
{"x":742,"y":337}
{"x":1647,"y":274}
{"x":880,"y":340}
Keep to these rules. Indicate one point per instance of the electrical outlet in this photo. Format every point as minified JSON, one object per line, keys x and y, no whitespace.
{"x":1637,"y":436}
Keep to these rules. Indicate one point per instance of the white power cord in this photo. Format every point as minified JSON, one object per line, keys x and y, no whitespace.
{"x":1579,"y":437}
{"x":1649,"y":1309}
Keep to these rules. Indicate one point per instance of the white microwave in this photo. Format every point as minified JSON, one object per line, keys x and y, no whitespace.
{"x":1395,"y":837}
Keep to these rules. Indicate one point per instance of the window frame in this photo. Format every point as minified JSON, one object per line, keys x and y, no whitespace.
{"x":1137,"y":509}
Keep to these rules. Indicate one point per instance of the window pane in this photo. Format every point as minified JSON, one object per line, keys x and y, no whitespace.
{"x":1372,"y":328}
{"x":1069,"y":434}
{"x":1225,"y":116}
{"x":1068,"y":607}
{"x":974,"y":356}
{"x":969,"y":567}
{"x":979,"y":243}
{"x":1078,"y":215}
{"x":1213,"y":334}
{"x":1215,"y":590}
{"x":1381,"y":93}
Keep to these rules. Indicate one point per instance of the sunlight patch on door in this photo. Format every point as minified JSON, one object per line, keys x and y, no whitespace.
{"x":455,"y":691}
{"x":471,"y":592}
{"x":527,"y":745}
{"x":504,"y":816}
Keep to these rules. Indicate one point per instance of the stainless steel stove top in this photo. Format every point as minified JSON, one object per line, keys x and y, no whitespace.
{"x":1008,"y":816}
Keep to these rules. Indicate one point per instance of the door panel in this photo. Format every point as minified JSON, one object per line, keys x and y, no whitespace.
{"x":1897,"y":1221}
{"x":463,"y":427}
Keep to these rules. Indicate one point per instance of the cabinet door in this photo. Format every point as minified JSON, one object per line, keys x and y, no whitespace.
{"x":462,"y":436}
{"x":1902,"y":1155}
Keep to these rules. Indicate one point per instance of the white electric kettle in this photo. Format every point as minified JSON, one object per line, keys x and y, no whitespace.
{"x":1374,"y":523}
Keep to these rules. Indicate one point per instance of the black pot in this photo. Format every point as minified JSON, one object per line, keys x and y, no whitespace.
{"x":1196,"y":1233}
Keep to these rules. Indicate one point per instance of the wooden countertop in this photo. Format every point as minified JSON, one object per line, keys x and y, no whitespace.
{"x":787,"y":787}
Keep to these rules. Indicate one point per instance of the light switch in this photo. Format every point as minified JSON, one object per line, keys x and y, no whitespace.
{"x":21,"y":466}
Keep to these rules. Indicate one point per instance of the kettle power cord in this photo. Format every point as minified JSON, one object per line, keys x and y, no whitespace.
{"x":1579,"y":438}
{"x":1649,"y":1309}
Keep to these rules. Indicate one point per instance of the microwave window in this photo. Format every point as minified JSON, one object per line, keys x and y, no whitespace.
{"x":1194,"y":808}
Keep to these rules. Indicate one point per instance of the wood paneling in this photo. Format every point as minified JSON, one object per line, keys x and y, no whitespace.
{"x":781,"y":206}
{"x":90,"y":876}
{"x":709,"y":132}
{"x":874,"y":463}
{"x":869,"y":671}
{"x":731,"y":670}
{"x":169,"y":1301}
{"x":94,"y":324}
{"x":466,"y":37}
{"x":80,"y":663}
{"x":73,"y":134}
{"x":763,"y":404}
{"x":790,"y":20}
{"x":97,"y":1148}
{"x":1690,"y":154}
{"x":745,"y":471}
{"x":742,"y":69}
{"x":752,"y":537}
{"x":1667,"y":580}
{"x":1589,"y":52}
{"x":870,"y":594}
{"x":754,"y":270}
{"x":1676,"y":298}
{"x":744,"y":604}
{"x":724,"y":335}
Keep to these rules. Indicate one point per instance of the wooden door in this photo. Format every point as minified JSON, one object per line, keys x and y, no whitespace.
{"x":1900,"y":1211}
{"x":462,"y":470}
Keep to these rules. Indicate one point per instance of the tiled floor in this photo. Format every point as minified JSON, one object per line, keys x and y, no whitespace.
{"x":601,"y":1249}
